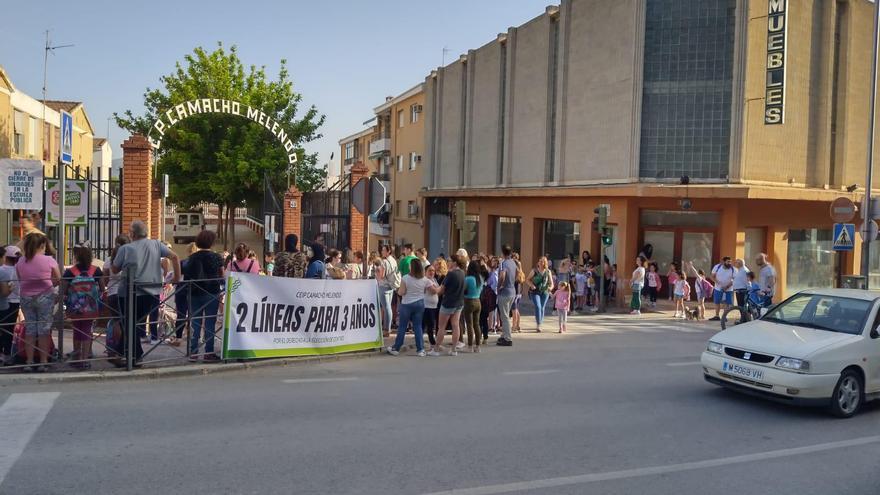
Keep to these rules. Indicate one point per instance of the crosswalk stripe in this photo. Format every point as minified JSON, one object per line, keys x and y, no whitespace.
{"x":22,"y":415}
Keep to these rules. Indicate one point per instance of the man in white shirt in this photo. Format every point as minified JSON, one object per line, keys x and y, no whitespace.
{"x":723,"y":274}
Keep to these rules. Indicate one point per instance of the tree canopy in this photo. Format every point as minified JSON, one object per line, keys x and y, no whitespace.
{"x":221,"y":158}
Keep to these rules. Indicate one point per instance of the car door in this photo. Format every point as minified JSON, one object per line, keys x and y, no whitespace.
{"x":872,"y":355}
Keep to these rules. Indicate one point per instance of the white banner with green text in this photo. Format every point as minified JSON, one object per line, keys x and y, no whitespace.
{"x":279,"y":317}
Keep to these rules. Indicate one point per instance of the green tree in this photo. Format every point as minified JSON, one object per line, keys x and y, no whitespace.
{"x":221,"y":158}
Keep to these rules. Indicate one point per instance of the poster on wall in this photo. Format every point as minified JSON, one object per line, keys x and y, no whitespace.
{"x":22,"y":184}
{"x":76,"y":202}
{"x":280,"y":317}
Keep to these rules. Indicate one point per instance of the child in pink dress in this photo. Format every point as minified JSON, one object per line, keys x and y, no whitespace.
{"x":563,"y":304}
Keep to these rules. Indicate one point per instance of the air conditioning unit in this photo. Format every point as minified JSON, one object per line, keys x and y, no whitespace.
{"x":419,"y":108}
{"x":413,"y":210}
{"x":418,"y":158}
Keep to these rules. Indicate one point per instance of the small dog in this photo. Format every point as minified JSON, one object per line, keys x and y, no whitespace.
{"x":692,"y":314}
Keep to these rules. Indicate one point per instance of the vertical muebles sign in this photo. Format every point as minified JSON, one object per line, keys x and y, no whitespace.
{"x":777,"y":42}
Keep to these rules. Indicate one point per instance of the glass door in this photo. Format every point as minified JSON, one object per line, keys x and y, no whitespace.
{"x":663,"y":253}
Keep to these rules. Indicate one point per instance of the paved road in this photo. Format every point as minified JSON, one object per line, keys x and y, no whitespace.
{"x":618,"y":408}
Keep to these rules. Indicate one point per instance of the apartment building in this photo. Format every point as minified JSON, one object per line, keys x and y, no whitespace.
{"x":401,"y":116}
{"x":31,"y":130}
{"x":708,"y":128}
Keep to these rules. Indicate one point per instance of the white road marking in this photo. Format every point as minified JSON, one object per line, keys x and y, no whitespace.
{"x":688,"y":363}
{"x":22,"y":415}
{"x":532,"y":372}
{"x":657,"y":470}
{"x":322,"y":380}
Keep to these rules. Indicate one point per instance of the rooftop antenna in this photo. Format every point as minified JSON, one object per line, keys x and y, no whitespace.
{"x":445,"y":51}
{"x":49,"y":48}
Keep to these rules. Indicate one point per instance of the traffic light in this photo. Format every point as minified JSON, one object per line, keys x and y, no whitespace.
{"x":606,"y":239}
{"x":601,"y":220}
{"x":460,"y":213}
{"x":467,"y":232}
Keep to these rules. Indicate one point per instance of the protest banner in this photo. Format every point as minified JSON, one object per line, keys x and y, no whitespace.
{"x":280,"y":317}
{"x":21,"y":184}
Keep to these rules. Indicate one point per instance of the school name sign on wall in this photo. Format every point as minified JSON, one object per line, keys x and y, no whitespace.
{"x":279,"y":317}
{"x":777,"y":42}
{"x":216,"y":105}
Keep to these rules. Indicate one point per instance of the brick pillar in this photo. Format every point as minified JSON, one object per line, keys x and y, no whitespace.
{"x":292,"y":214}
{"x":137,"y":165}
{"x":358,"y":219}
{"x":155,"y":223}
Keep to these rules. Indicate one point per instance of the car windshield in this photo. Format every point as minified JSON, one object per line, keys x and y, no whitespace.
{"x":822,"y":312}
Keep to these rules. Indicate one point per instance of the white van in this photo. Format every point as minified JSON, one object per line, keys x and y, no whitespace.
{"x":187,"y":225}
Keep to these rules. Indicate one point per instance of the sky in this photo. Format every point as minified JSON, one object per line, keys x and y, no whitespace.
{"x":344,"y":56}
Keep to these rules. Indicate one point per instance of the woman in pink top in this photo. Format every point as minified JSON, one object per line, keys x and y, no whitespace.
{"x":241,"y":262}
{"x":563,"y":304}
{"x":38,"y":275}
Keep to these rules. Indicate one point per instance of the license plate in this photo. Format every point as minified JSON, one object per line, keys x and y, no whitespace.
{"x":743,"y":371}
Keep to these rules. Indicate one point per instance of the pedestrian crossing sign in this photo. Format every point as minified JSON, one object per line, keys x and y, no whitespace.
{"x":844,"y":236}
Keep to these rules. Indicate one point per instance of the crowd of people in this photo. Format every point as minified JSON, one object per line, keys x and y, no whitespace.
{"x":472,"y":296}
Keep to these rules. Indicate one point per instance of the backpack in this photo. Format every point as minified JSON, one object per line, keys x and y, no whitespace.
{"x":83,"y":299}
{"x":316,"y":269}
{"x":235,"y":267}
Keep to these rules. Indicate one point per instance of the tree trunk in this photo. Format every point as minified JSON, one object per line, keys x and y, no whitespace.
{"x":220,"y":222}
{"x":230,"y":214}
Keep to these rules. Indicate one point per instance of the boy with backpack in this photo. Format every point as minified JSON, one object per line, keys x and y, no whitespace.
{"x":81,"y":287}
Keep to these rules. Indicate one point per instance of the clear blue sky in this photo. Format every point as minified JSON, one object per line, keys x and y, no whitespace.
{"x":345,"y":56}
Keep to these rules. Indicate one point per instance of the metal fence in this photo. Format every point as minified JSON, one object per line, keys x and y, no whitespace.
{"x":159,"y":324}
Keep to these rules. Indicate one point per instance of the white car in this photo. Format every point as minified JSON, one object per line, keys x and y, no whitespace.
{"x":818,"y":347}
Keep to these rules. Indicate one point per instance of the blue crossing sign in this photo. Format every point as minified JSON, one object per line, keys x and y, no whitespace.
{"x":844,"y":236}
{"x":66,"y":138}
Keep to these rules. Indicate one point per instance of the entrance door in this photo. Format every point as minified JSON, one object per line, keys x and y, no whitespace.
{"x":680,"y":244}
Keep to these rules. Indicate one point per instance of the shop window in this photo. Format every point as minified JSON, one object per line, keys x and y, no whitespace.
{"x":812,"y":263}
{"x":508,"y":230}
{"x":561,"y":238}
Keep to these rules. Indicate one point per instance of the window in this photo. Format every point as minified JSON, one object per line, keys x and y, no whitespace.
{"x":508,"y":230}
{"x":412,"y":160}
{"x":687,"y":90}
{"x":400,"y":118}
{"x":400,"y":163}
{"x":414,"y":113}
{"x":812,"y":262}
{"x":349,"y":150}
{"x":397,"y":211}
{"x":33,"y":137}
{"x":561,"y":238}
{"x":410,"y":209}
{"x":18,"y":143}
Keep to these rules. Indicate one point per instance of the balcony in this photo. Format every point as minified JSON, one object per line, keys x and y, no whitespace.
{"x":380,"y":229}
{"x":380,"y":146}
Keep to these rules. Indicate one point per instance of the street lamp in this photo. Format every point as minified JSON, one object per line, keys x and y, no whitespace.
{"x":869,"y":172}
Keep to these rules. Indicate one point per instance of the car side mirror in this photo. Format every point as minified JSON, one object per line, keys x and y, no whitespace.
{"x":875,"y":333}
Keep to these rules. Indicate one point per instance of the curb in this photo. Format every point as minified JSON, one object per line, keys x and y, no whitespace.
{"x":172,"y":371}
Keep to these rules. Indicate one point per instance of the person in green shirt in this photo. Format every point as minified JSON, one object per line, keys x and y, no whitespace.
{"x":405,"y":262}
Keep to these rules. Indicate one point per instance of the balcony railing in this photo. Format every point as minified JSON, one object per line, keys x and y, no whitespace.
{"x":380,"y":145}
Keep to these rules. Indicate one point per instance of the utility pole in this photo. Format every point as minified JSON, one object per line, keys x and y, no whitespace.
{"x":869,"y":172}
{"x":62,"y":168}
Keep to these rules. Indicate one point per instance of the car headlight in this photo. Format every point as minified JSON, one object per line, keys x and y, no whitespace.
{"x":714,"y":347}
{"x":793,"y":364}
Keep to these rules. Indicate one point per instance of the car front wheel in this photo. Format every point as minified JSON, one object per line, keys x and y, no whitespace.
{"x":847,"y":397}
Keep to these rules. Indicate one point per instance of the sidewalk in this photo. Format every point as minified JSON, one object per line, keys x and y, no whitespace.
{"x":165,"y":361}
